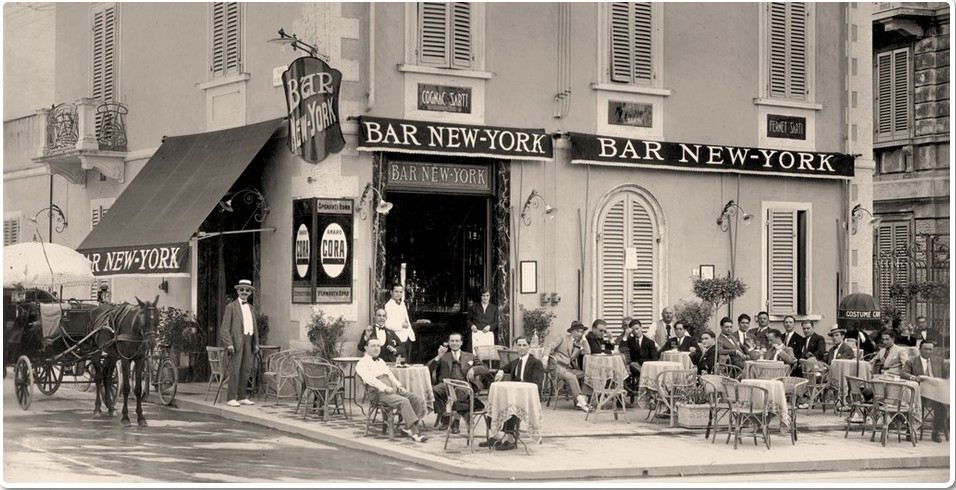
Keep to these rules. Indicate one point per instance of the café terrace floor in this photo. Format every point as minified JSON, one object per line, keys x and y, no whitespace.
{"x":601,"y":446}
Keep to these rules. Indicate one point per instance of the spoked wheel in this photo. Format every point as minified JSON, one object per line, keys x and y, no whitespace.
{"x":48,"y":377}
{"x":23,"y":382}
{"x":112,"y":384}
{"x":84,"y":375}
{"x":166,"y":381}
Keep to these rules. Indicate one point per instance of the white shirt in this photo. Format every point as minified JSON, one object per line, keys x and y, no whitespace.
{"x":247,"y":324}
{"x":926,"y":367}
{"x":397,"y":318}
{"x":370,"y":369}
{"x":380,"y":333}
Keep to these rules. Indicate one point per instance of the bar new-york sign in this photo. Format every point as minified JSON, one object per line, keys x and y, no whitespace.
{"x":312,"y":98}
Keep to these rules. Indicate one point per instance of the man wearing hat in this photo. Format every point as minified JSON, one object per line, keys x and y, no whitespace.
{"x":840,"y":349}
{"x":565,"y":351}
{"x":239,"y":335}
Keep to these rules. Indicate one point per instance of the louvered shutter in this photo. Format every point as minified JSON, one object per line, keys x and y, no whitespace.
{"x":884,"y":94}
{"x":226,"y":38}
{"x":104,"y":54}
{"x":630,"y":50}
{"x":787,"y":59}
{"x":892,"y":264}
{"x":434,"y":35}
{"x":611,"y":263}
{"x":892,"y":94}
{"x":461,"y":35}
{"x":782,"y":257}
{"x":901,"y":100}
{"x":98,"y":209}
{"x":11,"y":231}
{"x":642,"y":278}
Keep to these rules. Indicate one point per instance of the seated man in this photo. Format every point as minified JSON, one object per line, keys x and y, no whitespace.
{"x":926,"y":366}
{"x":525,"y":368}
{"x":889,"y":359}
{"x":681,"y":341}
{"x":706,"y":358}
{"x":565,"y":350}
{"x":776,"y":350}
{"x":641,"y":347}
{"x":598,"y":339}
{"x":840,"y":349}
{"x":384,"y":387}
{"x":454,"y":363}
{"x":729,"y":345}
{"x":386,"y":338}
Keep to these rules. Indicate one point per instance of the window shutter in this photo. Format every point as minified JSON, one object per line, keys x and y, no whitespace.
{"x":98,"y":209}
{"x":631,"y":55}
{"x":642,"y":279}
{"x":787,"y":59}
{"x":434,"y":35}
{"x":226,"y":38}
{"x":901,"y":100}
{"x":611,"y":263}
{"x":11,"y":231}
{"x":782,"y":255}
{"x":884,"y":93}
{"x":461,"y":35}
{"x":892,"y":80}
{"x":892,"y":263}
{"x":104,"y":53}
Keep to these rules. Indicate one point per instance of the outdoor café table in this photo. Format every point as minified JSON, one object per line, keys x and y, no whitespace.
{"x":841,"y":368}
{"x":593,"y":364}
{"x":778,"y":397}
{"x":678,"y":356}
{"x":936,"y":389}
{"x":348,"y":367}
{"x":507,"y":398}
{"x":917,"y":408}
{"x":649,"y":372}
{"x":748,"y":366}
{"x":417,"y":379}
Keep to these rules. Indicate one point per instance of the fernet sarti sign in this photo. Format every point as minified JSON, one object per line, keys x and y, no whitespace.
{"x":312,"y":98}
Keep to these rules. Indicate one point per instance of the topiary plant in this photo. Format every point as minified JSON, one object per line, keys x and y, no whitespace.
{"x":537,"y":320}
{"x":719,"y":291}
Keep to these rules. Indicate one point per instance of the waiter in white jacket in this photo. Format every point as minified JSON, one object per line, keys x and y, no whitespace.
{"x":399,"y":322}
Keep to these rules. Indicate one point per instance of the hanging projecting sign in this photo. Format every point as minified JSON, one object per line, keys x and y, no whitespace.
{"x":312,"y":98}
{"x":626,"y":152}
{"x":406,"y":136}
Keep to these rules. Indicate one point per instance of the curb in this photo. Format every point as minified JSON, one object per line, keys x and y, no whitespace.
{"x":453,"y":467}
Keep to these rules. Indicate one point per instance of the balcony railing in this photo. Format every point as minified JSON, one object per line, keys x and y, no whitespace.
{"x":111,"y":126}
{"x":61,"y":127}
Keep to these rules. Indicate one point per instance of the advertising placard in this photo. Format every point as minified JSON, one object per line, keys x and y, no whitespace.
{"x":334,"y":251}
{"x":303,"y":256}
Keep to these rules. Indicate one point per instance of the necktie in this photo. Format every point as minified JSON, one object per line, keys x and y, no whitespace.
{"x":929,"y":368}
{"x":521,"y":371}
{"x":787,"y":341}
{"x":668,"y":325}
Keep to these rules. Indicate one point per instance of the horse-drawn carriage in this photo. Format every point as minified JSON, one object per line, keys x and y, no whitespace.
{"x":90,"y":341}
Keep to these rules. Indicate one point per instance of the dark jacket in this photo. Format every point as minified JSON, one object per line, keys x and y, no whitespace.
{"x":641,"y":347}
{"x":705,"y":361}
{"x":816,"y":347}
{"x":839,"y":351}
{"x":533,"y":371}
{"x":684,"y":346}
{"x":596,"y":342}
{"x":480,"y":318}
{"x":796,"y":342}
{"x":390,"y":339}
{"x":444,"y":367}
{"x":914,"y":367}
{"x":231,"y":331}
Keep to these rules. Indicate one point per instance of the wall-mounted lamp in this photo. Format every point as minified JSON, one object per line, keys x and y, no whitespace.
{"x":54,"y":215}
{"x":296,"y":43}
{"x":369,"y":194}
{"x":857,"y":214}
{"x":532,"y":203}
{"x":249,"y":196}
{"x":731,"y":209}
{"x":552,"y":298}
{"x":164,"y":286}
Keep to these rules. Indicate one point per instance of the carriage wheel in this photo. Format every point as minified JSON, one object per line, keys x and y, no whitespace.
{"x":23,"y":382}
{"x":112,"y":384}
{"x":84,"y":375}
{"x":48,"y":377}
{"x":166,"y":381}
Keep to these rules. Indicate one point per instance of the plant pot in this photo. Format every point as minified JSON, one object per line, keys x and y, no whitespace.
{"x":692,"y":416}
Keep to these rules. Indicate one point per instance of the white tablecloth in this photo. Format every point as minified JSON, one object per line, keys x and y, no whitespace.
{"x":594,"y":362}
{"x":778,"y":397}
{"x":507,"y":398}
{"x":936,"y":389}
{"x":418,"y":380}
{"x":650,"y":370}
{"x":841,"y":368}
{"x":677,"y":356}
{"x":750,"y":372}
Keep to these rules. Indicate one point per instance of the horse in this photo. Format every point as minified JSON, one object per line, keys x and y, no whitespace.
{"x":128,"y":334}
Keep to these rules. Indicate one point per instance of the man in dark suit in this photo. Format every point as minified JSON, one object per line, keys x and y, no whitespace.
{"x":776,"y":350}
{"x":681,"y":341}
{"x":596,"y":336}
{"x":759,"y":334}
{"x":840,"y":349}
{"x":387,"y":338}
{"x":526,"y":368}
{"x":814,"y":345}
{"x":926,"y":366}
{"x":706,"y":357}
{"x":454,"y":363}
{"x":791,"y":339}
{"x":641,"y":347}
{"x":923,"y":332}
{"x":239,"y":335}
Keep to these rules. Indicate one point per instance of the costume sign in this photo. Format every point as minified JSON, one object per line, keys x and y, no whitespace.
{"x":312,"y":98}
{"x":154,"y":259}
{"x":625,"y":152}
{"x":859,"y":314}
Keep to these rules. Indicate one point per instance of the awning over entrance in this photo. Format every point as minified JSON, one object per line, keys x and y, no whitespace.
{"x":148,"y":228}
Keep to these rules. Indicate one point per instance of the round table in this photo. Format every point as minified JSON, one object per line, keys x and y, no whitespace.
{"x":777,"y":394}
{"x":650,"y":370}
{"x":678,"y":356}
{"x":418,"y":380}
{"x":515,"y":398}
{"x":841,"y":368}
{"x":749,"y":365}
{"x":348,"y":367}
{"x":593,"y":363}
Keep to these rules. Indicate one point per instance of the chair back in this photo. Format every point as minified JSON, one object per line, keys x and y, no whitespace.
{"x":746,"y":398}
{"x":487,"y":352}
{"x":793,"y":386}
{"x":816,"y":372}
{"x":460,"y":389}
{"x":769,"y":371}
{"x":506,"y":355}
{"x":727,"y":370}
{"x":893,"y":397}
{"x":714,"y":387}
{"x":855,"y":387}
{"x":217,"y":360}
{"x":321,"y":376}
{"x":676,"y":381}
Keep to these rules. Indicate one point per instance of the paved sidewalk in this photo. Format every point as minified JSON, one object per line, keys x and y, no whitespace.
{"x":600,"y":447}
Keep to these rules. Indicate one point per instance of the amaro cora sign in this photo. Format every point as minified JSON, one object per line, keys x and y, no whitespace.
{"x":322,"y":248}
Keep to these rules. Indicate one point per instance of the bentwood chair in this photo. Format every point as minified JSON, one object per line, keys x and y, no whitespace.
{"x":794,"y":388}
{"x":861,"y":409}
{"x":609,"y":389}
{"x":716,"y":397}
{"x":459,"y":389}
{"x":893,"y":402}
{"x":748,"y":407}
{"x":218,"y":370}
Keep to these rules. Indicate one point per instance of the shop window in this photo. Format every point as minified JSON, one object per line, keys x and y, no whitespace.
{"x":98,"y":209}
{"x":788,"y":51}
{"x":226,"y":56}
{"x":105,"y":43}
{"x":892,"y":86}
{"x":891,"y":264}
{"x":447,"y":35}
{"x":788,"y":253}
{"x":632,"y":42}
{"x":11,"y":228}
{"x":627,"y":260}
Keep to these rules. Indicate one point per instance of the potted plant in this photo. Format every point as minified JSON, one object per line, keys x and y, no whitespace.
{"x":179,"y":330}
{"x":262,"y":325}
{"x":326,"y":334}
{"x":694,"y":315}
{"x":719,"y":291}
{"x":536,"y":323}
{"x":694,"y":411}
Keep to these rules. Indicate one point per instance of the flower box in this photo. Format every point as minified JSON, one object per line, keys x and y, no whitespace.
{"x":692,"y":416}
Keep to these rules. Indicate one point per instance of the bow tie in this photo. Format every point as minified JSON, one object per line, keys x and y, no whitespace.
{"x":241,"y":302}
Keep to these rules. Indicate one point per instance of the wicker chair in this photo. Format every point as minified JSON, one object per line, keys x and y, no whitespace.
{"x":745,"y":411}
{"x":794,"y":388}
{"x":859,"y":406}
{"x":390,"y":418}
{"x":609,"y":388}
{"x":672,"y":387}
{"x":324,"y":386}
{"x":893,"y":402}
{"x":818,"y":388}
{"x":728,"y":370}
{"x":218,"y":370}
{"x":459,"y":389}
{"x":714,"y":388}
{"x":769,"y":371}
